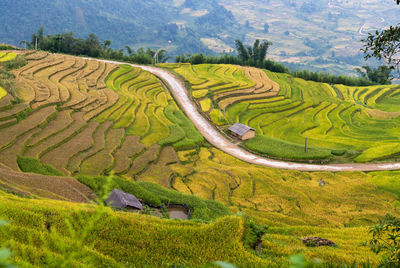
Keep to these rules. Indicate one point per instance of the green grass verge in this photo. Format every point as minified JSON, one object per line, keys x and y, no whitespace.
{"x":27,"y":164}
{"x":282,"y":149}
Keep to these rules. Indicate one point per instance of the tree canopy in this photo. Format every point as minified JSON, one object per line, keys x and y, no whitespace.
{"x":384,"y":45}
{"x":91,"y":46}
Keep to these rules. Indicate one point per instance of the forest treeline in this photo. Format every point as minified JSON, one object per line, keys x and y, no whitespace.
{"x":67,"y":43}
{"x":255,"y":56}
{"x":245,"y":56}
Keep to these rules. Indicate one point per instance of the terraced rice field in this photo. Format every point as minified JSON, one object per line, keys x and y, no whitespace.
{"x":90,"y":117}
{"x":86,"y":117}
{"x":340,"y":123}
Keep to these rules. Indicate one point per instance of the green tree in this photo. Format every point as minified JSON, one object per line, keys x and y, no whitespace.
{"x":384,"y":45}
{"x":129,"y":50}
{"x":386,"y":239}
{"x":380,"y":75}
{"x":241,"y":50}
{"x":257,"y":52}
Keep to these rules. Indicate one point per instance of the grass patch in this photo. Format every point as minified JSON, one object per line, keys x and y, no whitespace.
{"x":281,"y":149}
{"x":27,"y":164}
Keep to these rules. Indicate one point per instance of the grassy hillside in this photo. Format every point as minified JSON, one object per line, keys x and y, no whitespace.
{"x":340,"y":122}
{"x":85,"y":119}
{"x":45,"y":232}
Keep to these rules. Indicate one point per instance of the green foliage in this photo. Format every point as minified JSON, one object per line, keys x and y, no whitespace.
{"x":27,"y":164}
{"x":6,"y":77}
{"x":332,"y":79}
{"x":22,"y":115}
{"x":67,"y":43}
{"x":224,"y":264}
{"x":299,"y":261}
{"x":378,"y":75}
{"x":253,"y":234}
{"x":7,"y":47}
{"x":256,"y":53}
{"x":386,"y":239}
{"x":232,"y":59}
{"x":4,"y":253}
{"x":384,"y":45}
{"x":16,"y":63}
{"x":338,"y":152}
{"x":282,"y":149}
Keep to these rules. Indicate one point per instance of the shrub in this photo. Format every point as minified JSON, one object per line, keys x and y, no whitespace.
{"x":16,"y":63}
{"x":338,"y":152}
{"x":253,"y":234}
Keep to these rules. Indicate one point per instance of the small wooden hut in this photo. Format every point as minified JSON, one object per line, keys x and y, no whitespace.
{"x":242,"y":131}
{"x":122,"y":200}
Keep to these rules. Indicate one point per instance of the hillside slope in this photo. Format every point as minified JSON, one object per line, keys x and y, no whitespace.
{"x":38,"y":235}
{"x":78,"y":117}
{"x":340,"y":123}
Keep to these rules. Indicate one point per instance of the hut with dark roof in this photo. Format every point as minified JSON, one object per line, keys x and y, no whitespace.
{"x":122,"y":200}
{"x":242,"y":131}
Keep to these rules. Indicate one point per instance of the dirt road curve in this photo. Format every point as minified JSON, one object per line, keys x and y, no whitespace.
{"x":218,"y":140}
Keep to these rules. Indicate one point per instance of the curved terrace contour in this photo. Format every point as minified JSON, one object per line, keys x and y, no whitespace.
{"x":180,"y":93}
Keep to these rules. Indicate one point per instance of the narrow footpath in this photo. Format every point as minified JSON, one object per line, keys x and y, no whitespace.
{"x":180,"y":93}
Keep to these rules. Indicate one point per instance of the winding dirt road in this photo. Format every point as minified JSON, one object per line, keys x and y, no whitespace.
{"x":180,"y":93}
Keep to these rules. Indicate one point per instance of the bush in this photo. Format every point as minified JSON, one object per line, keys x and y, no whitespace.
{"x":338,"y":152}
{"x":16,"y":63}
{"x":253,"y":234}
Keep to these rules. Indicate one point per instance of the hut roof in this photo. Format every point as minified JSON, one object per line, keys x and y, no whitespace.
{"x":121,"y":199}
{"x":240,"y":129}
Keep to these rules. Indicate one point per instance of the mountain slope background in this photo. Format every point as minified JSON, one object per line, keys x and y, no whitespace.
{"x":323,"y":35}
